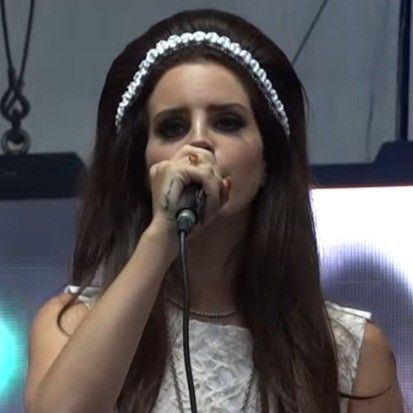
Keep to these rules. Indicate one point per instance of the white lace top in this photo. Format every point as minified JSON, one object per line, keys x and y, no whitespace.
{"x":221,"y":359}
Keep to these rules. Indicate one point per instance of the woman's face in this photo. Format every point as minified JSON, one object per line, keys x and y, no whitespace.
{"x":204,"y":105}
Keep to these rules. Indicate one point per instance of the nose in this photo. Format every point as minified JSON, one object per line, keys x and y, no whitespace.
{"x":199,"y":137}
{"x":201,"y":143}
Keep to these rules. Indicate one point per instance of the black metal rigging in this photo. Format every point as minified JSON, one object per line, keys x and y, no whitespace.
{"x":16,"y":140}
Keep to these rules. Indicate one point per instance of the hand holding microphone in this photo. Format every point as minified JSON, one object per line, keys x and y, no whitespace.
{"x":191,"y":172}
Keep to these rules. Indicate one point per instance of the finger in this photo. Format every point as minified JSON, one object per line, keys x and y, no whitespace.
{"x":203,"y":163}
{"x":204,"y":154}
{"x":205,"y":176}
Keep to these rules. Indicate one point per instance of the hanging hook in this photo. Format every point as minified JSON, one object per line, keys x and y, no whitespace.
{"x":12,"y":96}
{"x":13,"y":105}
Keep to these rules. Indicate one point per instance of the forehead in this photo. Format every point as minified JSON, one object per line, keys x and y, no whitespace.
{"x":197,"y":84}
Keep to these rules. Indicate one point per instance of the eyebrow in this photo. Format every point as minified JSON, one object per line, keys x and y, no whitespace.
{"x":213,"y":108}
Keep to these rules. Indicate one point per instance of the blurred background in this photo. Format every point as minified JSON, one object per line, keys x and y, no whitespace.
{"x":353,"y":58}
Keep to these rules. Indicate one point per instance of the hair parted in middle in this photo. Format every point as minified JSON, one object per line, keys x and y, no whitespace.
{"x":278,"y":282}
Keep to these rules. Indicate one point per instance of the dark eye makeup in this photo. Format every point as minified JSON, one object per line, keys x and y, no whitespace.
{"x":174,"y":126}
{"x":229,"y":122}
{"x":171,"y":127}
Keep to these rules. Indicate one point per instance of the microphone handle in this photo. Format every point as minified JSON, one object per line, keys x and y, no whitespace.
{"x":193,"y":198}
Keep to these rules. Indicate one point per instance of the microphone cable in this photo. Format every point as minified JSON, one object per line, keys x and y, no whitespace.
{"x":186,"y":219}
{"x":185,"y":321}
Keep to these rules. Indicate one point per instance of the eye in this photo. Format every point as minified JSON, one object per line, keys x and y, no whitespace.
{"x":230,"y":122}
{"x":172,"y":127}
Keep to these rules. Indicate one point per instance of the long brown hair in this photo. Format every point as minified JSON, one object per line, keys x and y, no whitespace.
{"x":278,"y":281}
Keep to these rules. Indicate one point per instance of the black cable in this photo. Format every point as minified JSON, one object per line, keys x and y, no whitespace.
{"x":5,"y":33}
{"x":403,"y":72}
{"x":309,"y":31}
{"x":191,"y":209}
{"x":185,"y":322}
{"x":14,"y":94}
{"x":27,"y":38}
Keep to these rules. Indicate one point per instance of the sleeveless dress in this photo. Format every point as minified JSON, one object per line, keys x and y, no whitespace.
{"x":221,"y":359}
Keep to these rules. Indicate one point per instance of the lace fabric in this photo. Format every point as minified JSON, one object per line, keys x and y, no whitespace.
{"x":221,"y":359}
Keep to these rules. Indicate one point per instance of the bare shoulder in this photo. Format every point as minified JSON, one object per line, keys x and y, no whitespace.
{"x":47,"y":339}
{"x":376,"y":373}
{"x":46,"y":316}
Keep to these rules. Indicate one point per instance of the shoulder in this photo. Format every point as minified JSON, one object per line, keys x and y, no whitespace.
{"x":46,"y":316}
{"x":377,"y":373}
{"x":376,"y":359}
{"x":45,"y":332}
{"x":366,"y":363}
{"x":47,"y":339}
{"x":348,"y":327}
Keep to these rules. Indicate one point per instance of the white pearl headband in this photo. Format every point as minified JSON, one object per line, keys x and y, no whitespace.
{"x":211,"y":39}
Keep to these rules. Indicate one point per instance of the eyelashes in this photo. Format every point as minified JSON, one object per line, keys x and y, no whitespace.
{"x":230,"y":123}
{"x":178,"y":126}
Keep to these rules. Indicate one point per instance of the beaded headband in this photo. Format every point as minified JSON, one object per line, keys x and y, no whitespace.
{"x":213,"y":40}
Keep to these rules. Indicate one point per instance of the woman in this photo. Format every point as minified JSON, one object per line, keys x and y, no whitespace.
{"x":217,"y":103}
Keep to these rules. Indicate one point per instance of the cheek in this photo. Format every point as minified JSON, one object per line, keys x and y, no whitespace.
{"x":247,"y":172}
{"x":150,"y":155}
{"x":155,"y":153}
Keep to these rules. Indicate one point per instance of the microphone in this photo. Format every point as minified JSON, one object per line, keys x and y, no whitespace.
{"x":191,"y":207}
